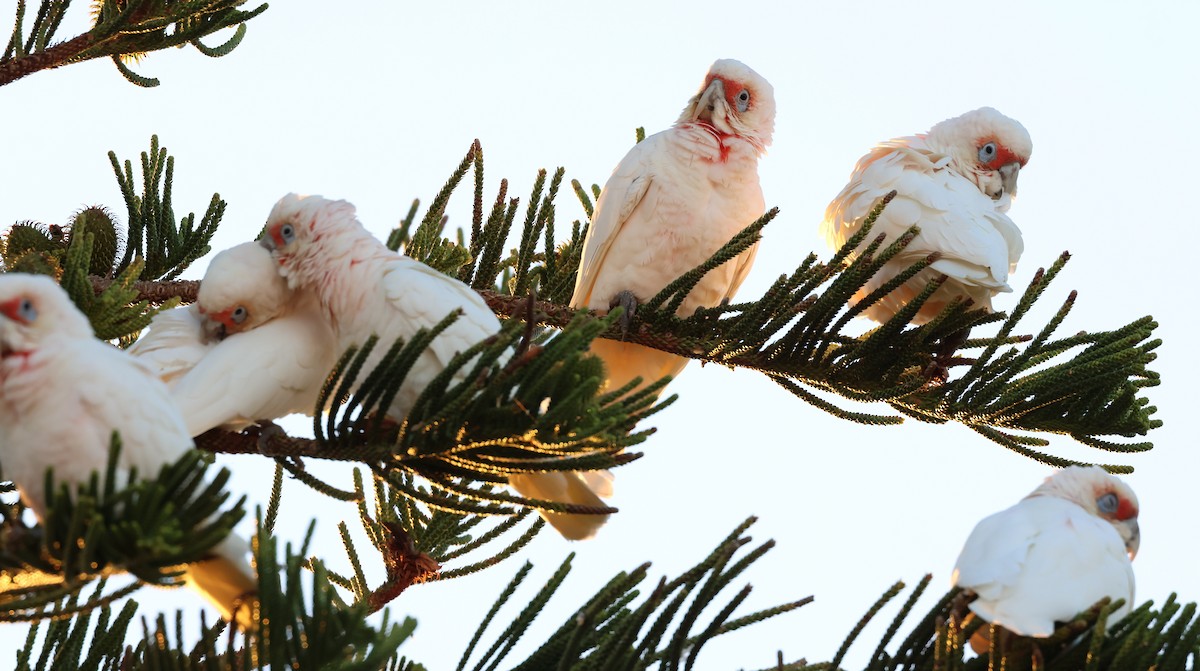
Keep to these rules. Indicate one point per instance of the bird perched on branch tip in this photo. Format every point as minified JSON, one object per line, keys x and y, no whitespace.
{"x":1053,"y":555}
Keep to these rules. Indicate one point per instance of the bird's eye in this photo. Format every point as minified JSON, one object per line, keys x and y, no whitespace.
{"x":1107,"y":503}
{"x":987,"y":152}
{"x":288,"y":233}
{"x":239,"y":315}
{"x":26,"y":311}
{"x":743,"y":100}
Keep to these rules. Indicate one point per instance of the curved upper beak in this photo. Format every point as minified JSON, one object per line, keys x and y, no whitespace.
{"x":1008,"y":177}
{"x":706,"y":103}
{"x":267,"y":242}
{"x":214,"y":330}
{"x":1132,"y":535}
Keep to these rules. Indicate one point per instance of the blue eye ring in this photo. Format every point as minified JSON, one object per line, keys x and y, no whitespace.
{"x":1108,"y":503}
{"x":987,"y":153}
{"x":743,"y":100}
{"x":239,"y":315}
{"x":26,"y":311}
{"x":288,"y":233}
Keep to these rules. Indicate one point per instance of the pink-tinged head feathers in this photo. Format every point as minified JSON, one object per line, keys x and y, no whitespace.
{"x":241,"y":290}
{"x":985,"y":146}
{"x":303,"y":229}
{"x":33,"y":308}
{"x":734,"y":100}
{"x":1100,"y":494}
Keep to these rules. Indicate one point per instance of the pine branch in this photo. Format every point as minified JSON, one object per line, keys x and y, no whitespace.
{"x":611,"y":632}
{"x":300,"y":629}
{"x":1088,"y":386}
{"x":146,"y":529}
{"x":1144,"y":640}
{"x":121,"y":29}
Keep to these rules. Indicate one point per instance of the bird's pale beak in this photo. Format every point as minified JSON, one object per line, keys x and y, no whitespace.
{"x":1132,"y":536}
{"x":267,"y":242}
{"x":706,"y":105}
{"x":1008,"y":177}
{"x":214,"y":330}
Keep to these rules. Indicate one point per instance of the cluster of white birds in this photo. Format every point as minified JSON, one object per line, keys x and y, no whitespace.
{"x":273,"y":316}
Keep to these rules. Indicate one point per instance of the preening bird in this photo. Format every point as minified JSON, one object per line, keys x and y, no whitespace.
{"x":249,"y":349}
{"x":956,"y":183}
{"x":366,"y":289}
{"x":63,"y":393}
{"x":675,"y":199}
{"x":1054,"y":554}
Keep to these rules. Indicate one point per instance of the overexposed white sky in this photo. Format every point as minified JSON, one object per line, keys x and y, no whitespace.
{"x":377,"y":103}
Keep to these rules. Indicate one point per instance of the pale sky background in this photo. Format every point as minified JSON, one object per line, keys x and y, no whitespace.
{"x":377,"y":103}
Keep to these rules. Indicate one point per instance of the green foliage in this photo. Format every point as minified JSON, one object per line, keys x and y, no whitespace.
{"x":612,"y":632}
{"x":1089,"y":386}
{"x":97,"y":222}
{"x":529,"y":400}
{"x":114,"y":312}
{"x":166,"y":248}
{"x":1147,"y":639}
{"x":514,"y":403}
{"x":302,"y":629}
{"x":418,"y":541}
{"x":121,"y":29}
{"x":118,"y":523}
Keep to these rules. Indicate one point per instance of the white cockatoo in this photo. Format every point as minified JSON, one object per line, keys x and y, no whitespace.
{"x":1054,"y":554}
{"x":367,"y":289}
{"x":249,"y":348}
{"x":956,"y":183}
{"x":676,"y":198}
{"x":63,"y":393}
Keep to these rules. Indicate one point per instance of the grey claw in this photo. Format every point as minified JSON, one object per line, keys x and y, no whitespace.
{"x":628,"y":304}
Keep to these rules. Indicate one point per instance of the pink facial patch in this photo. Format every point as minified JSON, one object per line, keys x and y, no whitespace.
{"x":1004,"y":155}
{"x":1126,"y":510}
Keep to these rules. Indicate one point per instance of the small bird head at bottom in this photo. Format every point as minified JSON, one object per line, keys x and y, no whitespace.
{"x":1101,"y":494}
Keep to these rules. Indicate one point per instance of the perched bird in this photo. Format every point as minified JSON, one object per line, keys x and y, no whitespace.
{"x":1054,"y":554}
{"x":250,"y":349}
{"x":366,"y":289}
{"x":676,"y":198}
{"x":956,"y":182}
{"x":63,"y":393}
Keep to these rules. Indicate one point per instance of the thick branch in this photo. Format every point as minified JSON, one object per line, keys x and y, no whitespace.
{"x":155,"y":292}
{"x":53,"y":57}
{"x":515,"y":307}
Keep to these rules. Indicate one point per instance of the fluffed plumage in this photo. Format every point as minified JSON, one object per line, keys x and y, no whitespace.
{"x":367,"y":289}
{"x":249,"y":349}
{"x":63,"y":393}
{"x":956,"y":182}
{"x":1054,"y":554}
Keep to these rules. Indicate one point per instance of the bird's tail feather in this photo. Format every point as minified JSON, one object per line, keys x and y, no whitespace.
{"x":625,"y":361}
{"x":228,"y":582}
{"x":579,"y":488}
